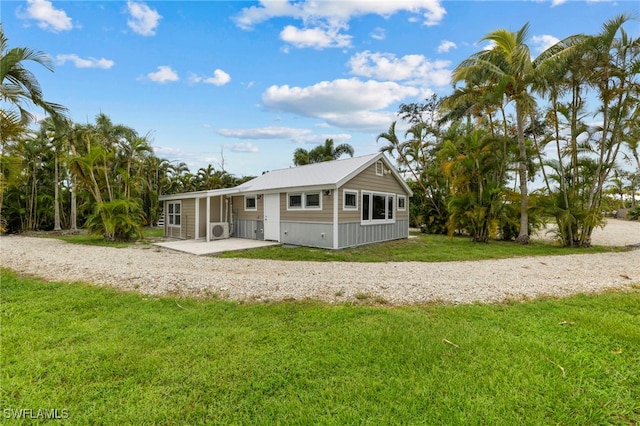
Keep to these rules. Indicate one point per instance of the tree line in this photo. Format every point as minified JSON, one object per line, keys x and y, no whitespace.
{"x":569,"y":118}
{"x":59,"y":175}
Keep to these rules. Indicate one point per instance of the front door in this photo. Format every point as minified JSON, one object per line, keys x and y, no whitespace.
{"x":272,"y":217}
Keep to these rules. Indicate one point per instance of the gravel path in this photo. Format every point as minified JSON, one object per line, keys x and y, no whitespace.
{"x":156,"y":271}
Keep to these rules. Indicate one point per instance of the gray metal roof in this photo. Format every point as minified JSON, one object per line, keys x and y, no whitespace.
{"x":328,"y":174}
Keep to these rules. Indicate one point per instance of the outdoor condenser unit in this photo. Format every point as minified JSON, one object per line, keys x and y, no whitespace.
{"x":219,"y":230}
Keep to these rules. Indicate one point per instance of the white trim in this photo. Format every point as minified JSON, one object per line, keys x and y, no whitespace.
{"x":336,"y":224}
{"x":404,"y":198}
{"x":344,"y":199}
{"x":381,"y":164}
{"x":303,"y":200}
{"x":171,"y":216}
{"x":371,"y":220}
{"x":197,"y":228}
{"x":208,"y":216}
{"x":255,"y":200}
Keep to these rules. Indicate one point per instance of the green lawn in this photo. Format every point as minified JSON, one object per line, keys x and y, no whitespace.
{"x":422,"y":248}
{"x":107,"y":357}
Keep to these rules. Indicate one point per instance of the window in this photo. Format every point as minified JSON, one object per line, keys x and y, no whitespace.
{"x":295,"y":201}
{"x":379,"y":168}
{"x":250,"y":203}
{"x":174,"y":214}
{"x":304,"y":201}
{"x":377,"y":208}
{"x":312,"y":200}
{"x":349,"y":200}
{"x":402,"y":203}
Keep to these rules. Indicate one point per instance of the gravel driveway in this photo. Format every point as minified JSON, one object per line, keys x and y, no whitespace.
{"x":156,"y":271}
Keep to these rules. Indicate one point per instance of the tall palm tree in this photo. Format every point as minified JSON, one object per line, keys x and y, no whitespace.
{"x":508,"y":69}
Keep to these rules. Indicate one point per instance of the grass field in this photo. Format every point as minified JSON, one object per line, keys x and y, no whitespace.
{"x":421,"y":248}
{"x":106,"y":357}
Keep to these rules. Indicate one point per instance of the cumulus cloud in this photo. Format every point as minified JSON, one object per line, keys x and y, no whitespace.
{"x":144,"y":20}
{"x":49,"y":18}
{"x":349,"y":103}
{"x":89,"y":62}
{"x":431,"y":11}
{"x":164,"y":75}
{"x":416,"y":69}
{"x":220,"y":78}
{"x":445,"y":46}
{"x":543,"y":42}
{"x":324,"y":20}
{"x":314,"y":37}
{"x":270,"y":132}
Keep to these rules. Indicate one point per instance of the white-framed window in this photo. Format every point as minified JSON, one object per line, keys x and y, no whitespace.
{"x":379,"y":168}
{"x":402,"y":203}
{"x":377,"y":207}
{"x":304,"y":201}
{"x":174,"y":213}
{"x":250,"y":203}
{"x":349,"y":200}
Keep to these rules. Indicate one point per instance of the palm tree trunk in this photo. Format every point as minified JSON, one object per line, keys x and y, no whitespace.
{"x":523,"y":235}
{"x":56,"y":196}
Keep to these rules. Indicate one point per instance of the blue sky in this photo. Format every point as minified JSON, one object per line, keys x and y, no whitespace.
{"x":256,"y":80}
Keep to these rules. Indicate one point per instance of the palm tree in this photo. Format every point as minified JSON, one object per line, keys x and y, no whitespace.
{"x":507,"y":68}
{"x":18,"y":86}
{"x":325,"y":152}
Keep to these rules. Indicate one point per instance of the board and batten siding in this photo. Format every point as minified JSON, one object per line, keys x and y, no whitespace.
{"x":247,"y":224}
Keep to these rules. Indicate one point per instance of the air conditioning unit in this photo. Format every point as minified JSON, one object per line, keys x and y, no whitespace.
{"x":219,"y":230}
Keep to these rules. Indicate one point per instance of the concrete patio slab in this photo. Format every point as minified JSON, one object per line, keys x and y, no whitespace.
{"x":202,"y":248}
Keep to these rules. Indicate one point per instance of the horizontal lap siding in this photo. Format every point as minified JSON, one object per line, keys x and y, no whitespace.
{"x":187,"y":227}
{"x":300,"y":215}
{"x":240,"y":213}
{"x":367,"y":180}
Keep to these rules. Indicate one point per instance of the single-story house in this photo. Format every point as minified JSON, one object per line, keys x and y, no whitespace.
{"x":333,"y":204}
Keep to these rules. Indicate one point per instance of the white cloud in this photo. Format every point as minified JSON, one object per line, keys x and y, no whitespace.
{"x":445,"y":46}
{"x":378,"y":34}
{"x":315,"y":37}
{"x":543,"y":42}
{"x":89,"y":62}
{"x":347,"y":103}
{"x":271,"y":132}
{"x":164,"y":75}
{"x":412,"y":68}
{"x":431,"y":11}
{"x":48,"y":17}
{"x":242,"y":147}
{"x":555,"y":3}
{"x":324,"y":20}
{"x":220,"y":78}
{"x":144,"y":20}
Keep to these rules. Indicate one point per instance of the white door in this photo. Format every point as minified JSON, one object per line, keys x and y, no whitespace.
{"x":272,"y":217}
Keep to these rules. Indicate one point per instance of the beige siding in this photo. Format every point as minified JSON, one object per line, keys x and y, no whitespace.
{"x":239,"y":212}
{"x":307,"y":215}
{"x":369,"y":181}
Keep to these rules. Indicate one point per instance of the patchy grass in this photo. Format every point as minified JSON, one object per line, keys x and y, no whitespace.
{"x":123,"y":358}
{"x":421,"y":248}
{"x":150,"y":235}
